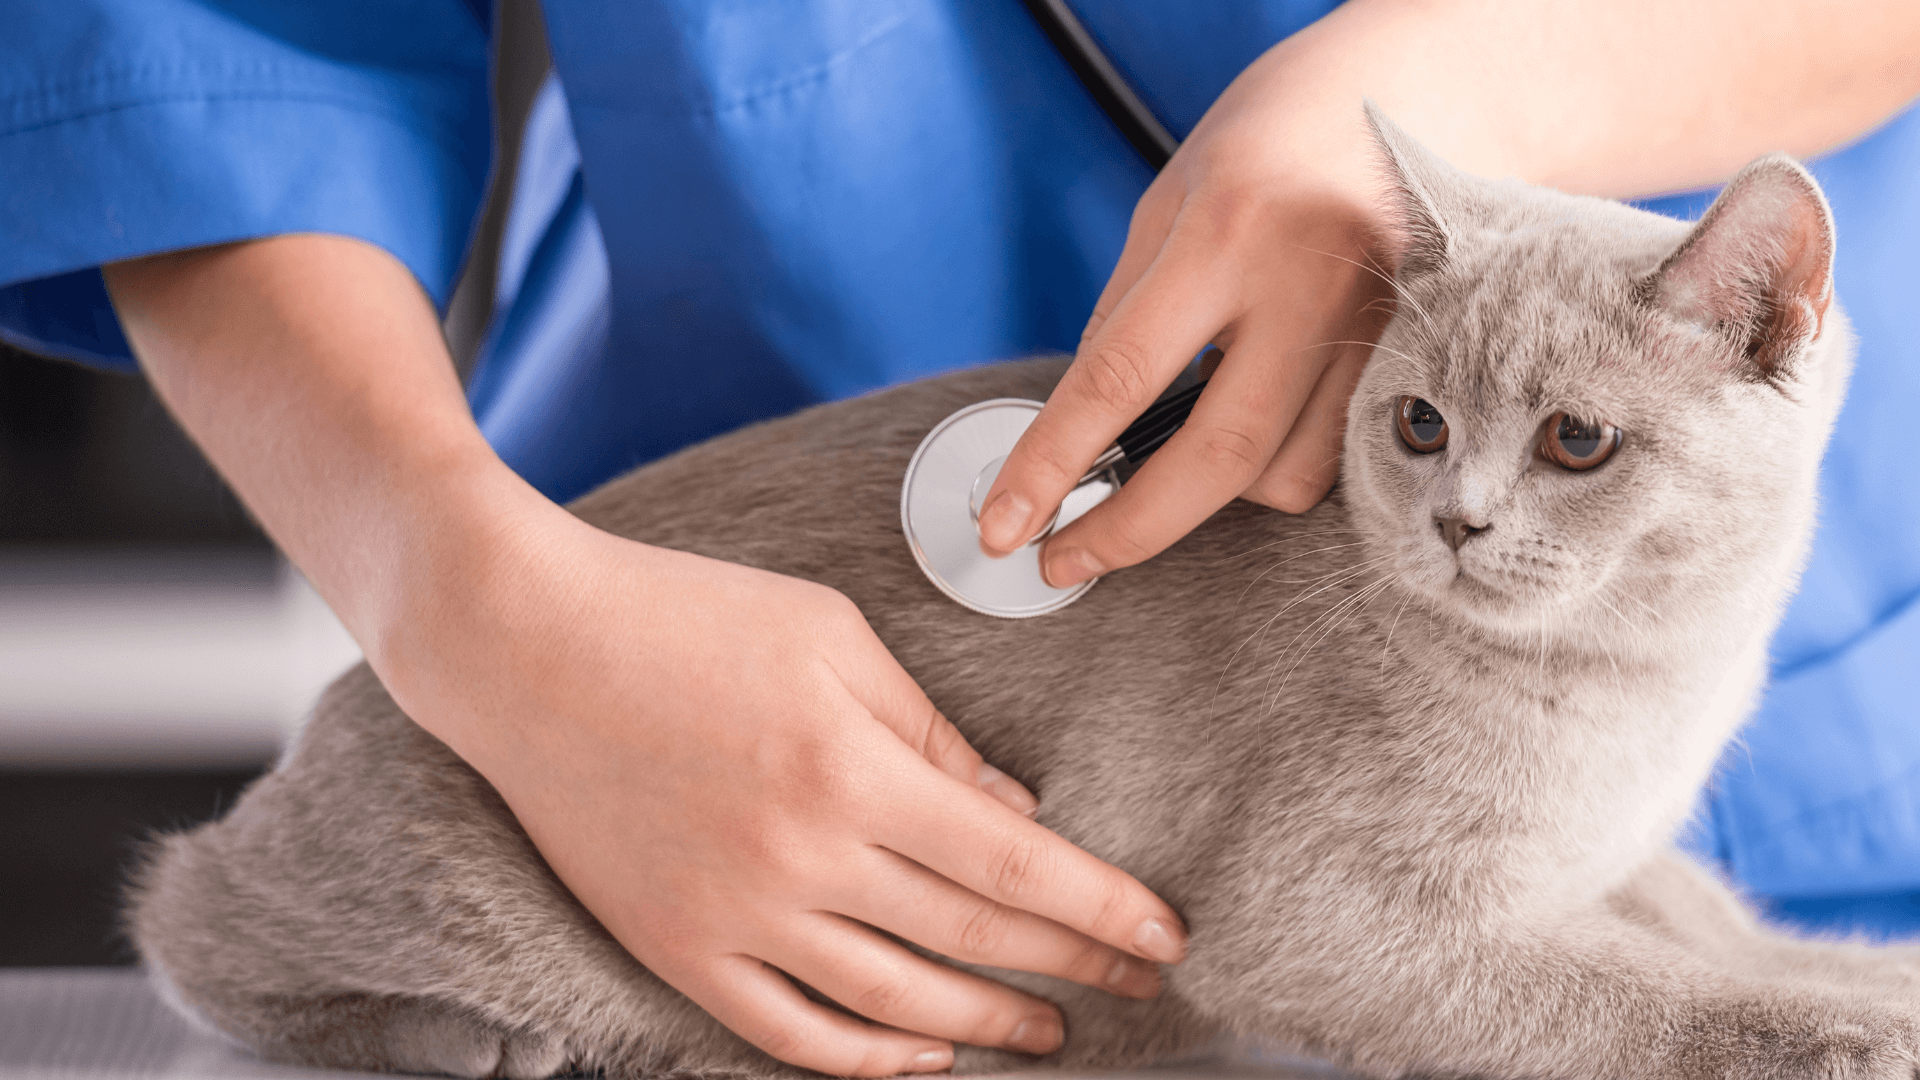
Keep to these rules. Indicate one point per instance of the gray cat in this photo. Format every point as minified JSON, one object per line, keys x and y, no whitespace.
{"x":1409,"y":764}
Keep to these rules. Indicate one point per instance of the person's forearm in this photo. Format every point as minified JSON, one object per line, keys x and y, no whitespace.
{"x":312,"y":372}
{"x":1622,"y":98}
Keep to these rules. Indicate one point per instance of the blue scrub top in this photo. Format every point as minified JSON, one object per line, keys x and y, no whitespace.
{"x":733,"y":210}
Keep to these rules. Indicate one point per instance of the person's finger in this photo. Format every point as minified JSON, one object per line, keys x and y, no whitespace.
{"x":878,"y":682}
{"x":1153,"y":218}
{"x":760,"y":1005}
{"x":1179,"y":304}
{"x":883,"y":982}
{"x":1305,"y":467}
{"x":1237,"y":425}
{"x":933,"y":912}
{"x":975,"y":843}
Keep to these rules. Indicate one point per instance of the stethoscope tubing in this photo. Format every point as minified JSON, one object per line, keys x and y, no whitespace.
{"x":1143,"y":130}
{"x":1156,"y":145}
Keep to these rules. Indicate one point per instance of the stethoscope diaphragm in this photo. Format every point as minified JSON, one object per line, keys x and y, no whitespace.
{"x":950,"y":474}
{"x":939,"y":509}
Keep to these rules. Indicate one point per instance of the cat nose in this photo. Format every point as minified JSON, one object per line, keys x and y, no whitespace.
{"x":1455,"y":530}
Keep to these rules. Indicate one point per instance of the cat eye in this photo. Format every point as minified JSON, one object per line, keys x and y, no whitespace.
{"x":1578,"y":444}
{"x":1422,"y":427}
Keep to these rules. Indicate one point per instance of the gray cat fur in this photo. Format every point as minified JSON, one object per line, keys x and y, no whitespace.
{"x":1416,"y":807}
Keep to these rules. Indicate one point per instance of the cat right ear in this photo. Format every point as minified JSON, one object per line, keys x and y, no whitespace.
{"x":1418,"y":238}
{"x":1758,"y":268}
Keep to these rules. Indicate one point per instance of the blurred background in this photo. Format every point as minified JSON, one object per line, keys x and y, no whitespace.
{"x":155,"y":650}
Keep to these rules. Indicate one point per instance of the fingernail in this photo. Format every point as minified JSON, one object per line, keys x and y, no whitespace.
{"x":1007,"y":790}
{"x":1037,"y":1035}
{"x":1157,"y":940}
{"x":931,"y":1061}
{"x":1134,"y":979}
{"x":1068,"y":568}
{"x":1003,"y":524}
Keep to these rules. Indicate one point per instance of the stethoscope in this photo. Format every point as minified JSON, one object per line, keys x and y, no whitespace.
{"x":955,"y":465}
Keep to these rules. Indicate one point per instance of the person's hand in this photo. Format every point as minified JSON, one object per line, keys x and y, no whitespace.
{"x":1262,"y":234}
{"x":1255,"y":239}
{"x":728,"y":768}
{"x":724,"y":765}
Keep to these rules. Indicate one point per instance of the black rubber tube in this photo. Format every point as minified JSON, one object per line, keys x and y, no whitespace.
{"x":1096,"y":72}
{"x":1151,"y":139}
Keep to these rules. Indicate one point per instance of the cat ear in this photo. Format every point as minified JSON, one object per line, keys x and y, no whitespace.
{"x":1758,"y":268}
{"x":1418,"y":239}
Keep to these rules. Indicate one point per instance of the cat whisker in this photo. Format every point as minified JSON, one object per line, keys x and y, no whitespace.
{"x":1326,"y":578}
{"x":1261,"y":630}
{"x":1612,"y":661}
{"x":1319,"y":578}
{"x":1339,"y":578}
{"x":1333,"y":619}
{"x":1388,"y":644}
{"x":1330,"y":459}
{"x":1629,"y":623}
{"x":1290,"y":539}
{"x":1257,"y":578}
{"x":1377,"y":304}
{"x":1383,"y":348}
{"x":1653,"y":613}
{"x":1399,"y":289}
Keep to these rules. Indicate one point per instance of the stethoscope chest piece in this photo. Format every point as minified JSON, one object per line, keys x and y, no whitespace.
{"x":940,"y":501}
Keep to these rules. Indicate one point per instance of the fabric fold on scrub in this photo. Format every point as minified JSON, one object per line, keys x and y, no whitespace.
{"x":131,"y":127}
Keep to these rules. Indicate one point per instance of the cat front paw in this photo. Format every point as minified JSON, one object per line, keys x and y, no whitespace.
{"x":426,"y":1041}
{"x":1797,"y":1037}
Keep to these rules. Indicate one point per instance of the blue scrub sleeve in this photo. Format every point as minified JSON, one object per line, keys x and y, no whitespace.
{"x":131,"y":127}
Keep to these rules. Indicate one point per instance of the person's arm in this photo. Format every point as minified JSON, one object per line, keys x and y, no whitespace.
{"x":1261,"y":234}
{"x":724,"y":765}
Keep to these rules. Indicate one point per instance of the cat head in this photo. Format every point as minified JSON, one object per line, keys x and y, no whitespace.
{"x":1590,"y":419}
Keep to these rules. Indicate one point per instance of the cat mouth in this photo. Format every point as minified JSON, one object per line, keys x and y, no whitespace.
{"x":1472,"y":586}
{"x":1503,"y":588}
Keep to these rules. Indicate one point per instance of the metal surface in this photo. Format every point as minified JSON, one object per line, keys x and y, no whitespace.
{"x":953,"y":467}
{"x":107,"y":1024}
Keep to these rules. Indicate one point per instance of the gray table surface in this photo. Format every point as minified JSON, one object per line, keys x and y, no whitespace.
{"x":105,"y":1024}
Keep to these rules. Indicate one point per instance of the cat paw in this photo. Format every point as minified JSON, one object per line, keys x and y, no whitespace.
{"x":527,"y":1055}
{"x":460,"y":1047}
{"x":393,"y":1034}
{"x":1798,"y":1040}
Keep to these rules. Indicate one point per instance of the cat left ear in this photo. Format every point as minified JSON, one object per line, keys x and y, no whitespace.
{"x":1758,"y":267}
{"x":1419,"y":239}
